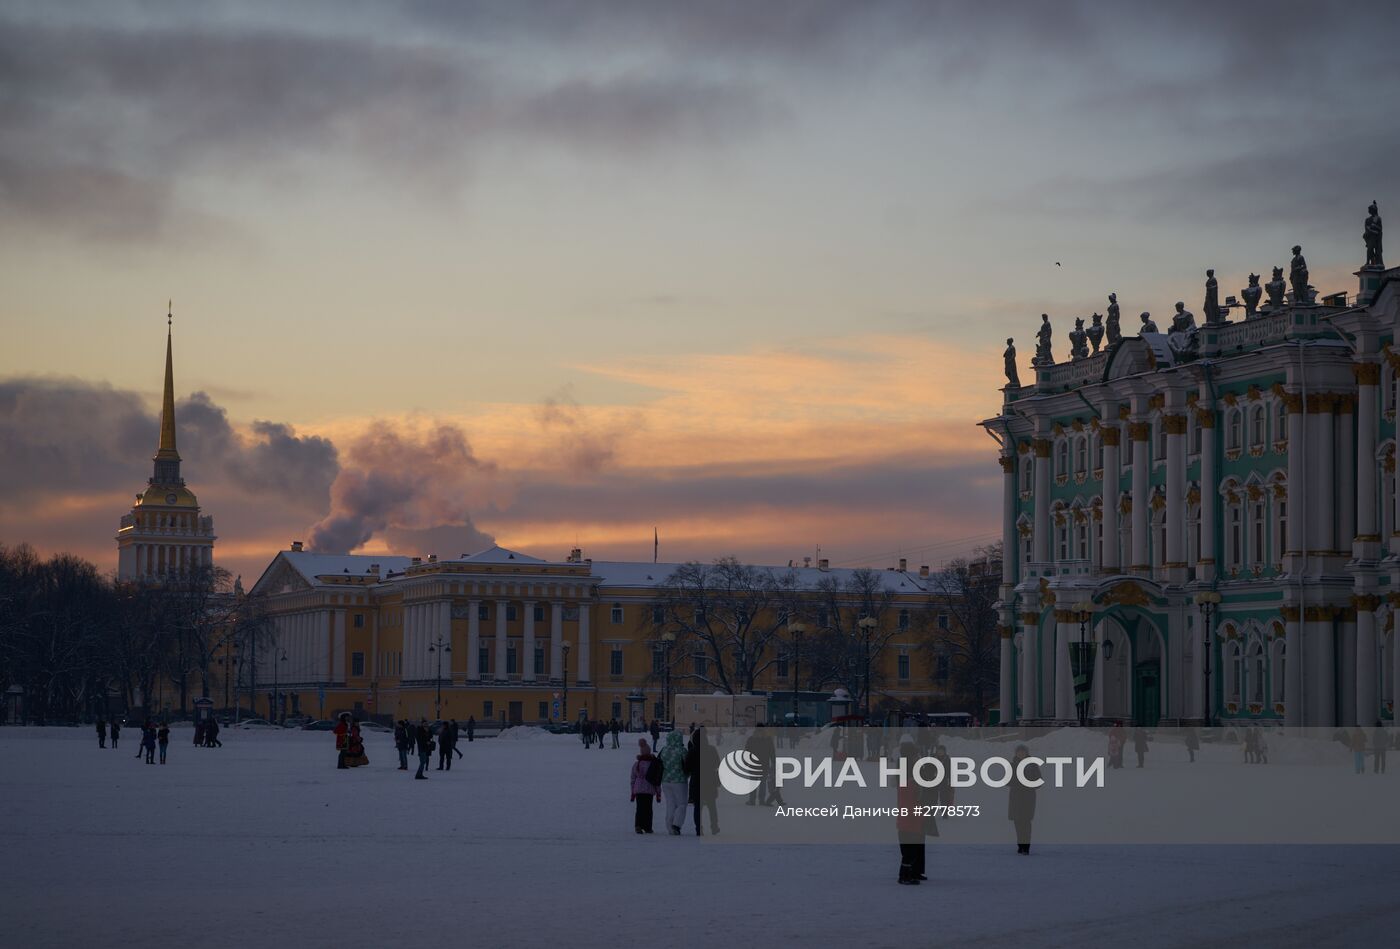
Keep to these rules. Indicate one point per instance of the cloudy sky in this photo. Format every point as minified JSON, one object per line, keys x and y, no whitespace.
{"x":554,"y":273}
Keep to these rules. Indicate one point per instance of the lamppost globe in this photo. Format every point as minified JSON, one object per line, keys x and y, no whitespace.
{"x":796,"y":631}
{"x":1207,"y":601}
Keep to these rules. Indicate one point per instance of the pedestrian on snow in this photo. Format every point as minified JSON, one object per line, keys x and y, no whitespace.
{"x":1140,"y":744}
{"x":141,"y":743}
{"x":163,"y":739}
{"x":342,"y":741}
{"x":1117,"y":738}
{"x":1357,"y":742}
{"x":944,"y":791}
{"x":1380,"y":741}
{"x":647,"y":772}
{"x":1261,"y":747}
{"x":116,"y":731}
{"x":585,"y":730}
{"x":445,"y":746}
{"x":199,"y":734}
{"x":148,"y":742}
{"x":602,"y":732}
{"x":674,"y":787}
{"x":909,"y":823}
{"x":760,"y":745}
{"x":101,"y":733}
{"x":1020,"y":808}
{"x":471,"y":728}
{"x":211,"y":735}
{"x":615,"y":728}
{"x":702,"y":770}
{"x":1193,"y":742}
{"x":423,"y":739}
{"x":655,"y":732}
{"x":403,"y":740}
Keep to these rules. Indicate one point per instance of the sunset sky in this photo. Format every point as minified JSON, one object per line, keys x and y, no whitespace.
{"x":555,"y":273}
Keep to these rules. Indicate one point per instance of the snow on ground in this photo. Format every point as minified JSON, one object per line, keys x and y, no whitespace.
{"x":529,"y":843}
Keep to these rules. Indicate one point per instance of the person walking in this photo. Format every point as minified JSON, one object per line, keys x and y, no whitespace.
{"x":148,"y":742}
{"x":211,"y":734}
{"x":402,"y":742}
{"x":1117,"y":738}
{"x":116,"y":731}
{"x":1140,"y":744}
{"x":674,"y":787}
{"x":702,"y":770}
{"x":1020,"y":808}
{"x":1357,"y":741}
{"x":342,"y":741}
{"x":1380,"y":741}
{"x":602,"y":731}
{"x":163,"y":740}
{"x":456,"y":741}
{"x":141,"y":742}
{"x":655,"y":732}
{"x":471,"y":728}
{"x":199,"y":734}
{"x":585,"y":730}
{"x":423,"y":739}
{"x":445,"y":747}
{"x":101,"y":733}
{"x":1193,"y":742}
{"x":615,"y":728}
{"x":909,"y":823}
{"x":647,"y":772}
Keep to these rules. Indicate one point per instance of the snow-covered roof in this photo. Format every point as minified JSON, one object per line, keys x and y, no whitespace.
{"x":623,"y":573}
{"x":312,"y":565}
{"x":498,"y":554}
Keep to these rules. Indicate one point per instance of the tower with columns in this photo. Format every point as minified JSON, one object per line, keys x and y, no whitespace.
{"x":165,"y":536}
{"x":1253,"y":460}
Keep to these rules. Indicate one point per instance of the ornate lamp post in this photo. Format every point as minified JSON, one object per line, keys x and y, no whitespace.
{"x":796,"y":631}
{"x":668,"y":639}
{"x":867,"y":626}
{"x":439,"y":646}
{"x":1207,"y":600}
{"x":565,"y":647}
{"x":1082,"y":660}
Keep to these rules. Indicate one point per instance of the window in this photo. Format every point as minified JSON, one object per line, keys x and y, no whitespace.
{"x":699,"y":616}
{"x":615,"y":668}
{"x":1027,"y":474}
{"x":1061,"y":458}
{"x":539,"y":659}
{"x":1081,"y":455}
{"x":510,"y":612}
{"x":483,"y":660}
{"x":359,"y":621}
{"x":904,"y":665}
{"x":483,"y":611}
{"x":658,"y":711}
{"x":488,"y":709}
{"x":903,"y":619}
{"x":539,"y":614}
{"x":702,"y":664}
{"x":1256,"y":673}
{"x":780,"y":667}
{"x":1062,"y":533}
{"x":543,"y":711}
{"x":357,"y":663}
{"x":1258,"y":427}
{"x":1279,"y":650}
{"x":1256,"y":555}
{"x":1160,"y":431}
{"x":1081,"y":542}
{"x":1280,"y":421}
{"x":822,"y":618}
{"x":658,"y":615}
{"x":617,"y":614}
{"x":1234,"y":555}
{"x":1234,"y":672}
{"x":942,"y":667}
{"x":571,"y":613}
{"x":1234,"y":436}
{"x":1281,"y":505}
{"x":616,"y":712}
{"x":658,"y":661}
{"x":512,"y":663}
{"x":943,"y":621}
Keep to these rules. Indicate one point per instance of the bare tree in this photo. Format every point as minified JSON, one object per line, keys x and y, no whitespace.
{"x":967,"y":590}
{"x":845,"y":651}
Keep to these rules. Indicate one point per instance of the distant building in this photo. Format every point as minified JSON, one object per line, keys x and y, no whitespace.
{"x":165,"y":536}
{"x":1253,"y":460}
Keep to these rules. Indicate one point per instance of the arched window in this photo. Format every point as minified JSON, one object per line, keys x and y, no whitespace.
{"x":1256,"y":672}
{"x":1280,"y":420}
{"x":1193,"y":434}
{"x":1234,"y":672}
{"x":1081,"y":455}
{"x":1159,"y":432}
{"x":1061,"y":458}
{"x":1258,"y":427}
{"x":1276,"y":660}
{"x":1096,"y":452}
{"x":1234,"y":536}
{"x":1257,"y":528}
{"x":1234,"y":434}
{"x":1027,"y":474}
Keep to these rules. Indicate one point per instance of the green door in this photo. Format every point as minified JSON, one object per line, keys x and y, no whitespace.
{"x":1147,"y":694}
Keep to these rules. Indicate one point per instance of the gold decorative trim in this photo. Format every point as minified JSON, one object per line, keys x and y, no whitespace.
{"x":1126,"y":593}
{"x":1110,"y":435}
{"x":1174,"y":424}
{"x":1289,"y":613}
{"x":1367,"y":373}
{"x":1042,"y":447}
{"x":1140,"y":431}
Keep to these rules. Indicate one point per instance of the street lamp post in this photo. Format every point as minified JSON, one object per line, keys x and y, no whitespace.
{"x":565,"y":647}
{"x":276,"y":688}
{"x":1207,"y":600}
{"x":796,"y":631}
{"x":867,"y":626}
{"x":439,"y":646}
{"x":1082,"y":665}
{"x":668,"y":639}
{"x":230,"y":661}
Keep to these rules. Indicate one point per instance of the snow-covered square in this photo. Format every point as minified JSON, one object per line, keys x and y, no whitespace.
{"x":528,"y":841}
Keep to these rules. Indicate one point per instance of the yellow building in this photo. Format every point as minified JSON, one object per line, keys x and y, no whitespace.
{"x":499,"y":635}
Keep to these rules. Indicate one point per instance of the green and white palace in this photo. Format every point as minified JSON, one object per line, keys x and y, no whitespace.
{"x":1212,"y":507}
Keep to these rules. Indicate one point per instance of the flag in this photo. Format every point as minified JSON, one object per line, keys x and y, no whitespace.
{"x":655,"y":544}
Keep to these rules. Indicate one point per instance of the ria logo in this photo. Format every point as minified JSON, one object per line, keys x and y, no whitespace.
{"x":740,"y":772}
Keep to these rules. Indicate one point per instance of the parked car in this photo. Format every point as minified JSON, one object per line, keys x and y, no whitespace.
{"x":255,"y":724}
{"x":374,"y":727}
{"x":324,"y":725}
{"x":297,"y":721}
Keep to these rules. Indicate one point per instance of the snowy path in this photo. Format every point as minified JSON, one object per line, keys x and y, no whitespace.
{"x":529,"y":843}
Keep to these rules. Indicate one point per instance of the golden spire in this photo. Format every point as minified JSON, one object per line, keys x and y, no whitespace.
{"x":167,"y":406}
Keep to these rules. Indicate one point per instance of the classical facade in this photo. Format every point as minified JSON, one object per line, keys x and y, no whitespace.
{"x":165,"y":535}
{"x":502,"y":635}
{"x":1252,"y":461}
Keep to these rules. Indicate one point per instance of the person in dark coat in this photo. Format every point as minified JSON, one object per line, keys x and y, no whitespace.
{"x":211,"y":735}
{"x":655,"y":732}
{"x":1020,"y":808}
{"x":1140,"y":744}
{"x":910,"y":825}
{"x":643,"y":789}
{"x":163,"y":740}
{"x":199,"y":734}
{"x":342,"y":741}
{"x":471,"y":728}
{"x":101,"y":733}
{"x":1193,"y":742}
{"x":403,"y":741}
{"x":1380,"y":741}
{"x":445,"y":740}
{"x":141,"y":742}
{"x":702,"y":772}
{"x":423,"y":739}
{"x":586,"y":732}
{"x":148,"y":742}
{"x":116,"y":731}
{"x":615,"y":728}
{"x":601,"y":728}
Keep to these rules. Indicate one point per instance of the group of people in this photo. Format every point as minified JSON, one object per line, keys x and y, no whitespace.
{"x":420,"y":739}
{"x":1379,"y":744}
{"x":1118,"y":738}
{"x":684,"y":773}
{"x":153,"y":736}
{"x":206,"y":734}
{"x":349,"y":743}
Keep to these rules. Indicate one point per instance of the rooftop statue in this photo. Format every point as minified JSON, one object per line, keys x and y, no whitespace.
{"x":1013,"y":381}
{"x":1095,"y":331}
{"x":1212,"y":304}
{"x":1298,"y":276}
{"x":1275,"y":289}
{"x":1251,"y":295}
{"x":1042,"y":344}
{"x":1147,"y":325}
{"x":1182,"y":337}
{"x":1115,"y":333}
{"x":1078,"y":340}
{"x":1372,"y":236}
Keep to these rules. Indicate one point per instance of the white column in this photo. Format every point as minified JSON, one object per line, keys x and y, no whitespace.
{"x":1346,"y":478}
{"x":1007,"y":701}
{"x":336,"y":656}
{"x":1293,"y":648}
{"x":1367,"y":525}
{"x":1322,"y":451}
{"x":410,"y":641}
{"x":1208,"y":557}
{"x":1346,"y":676}
{"x":1110,"y":560}
{"x":1065,"y":631}
{"x":1010,"y":548}
{"x":1320,"y":682}
{"x":527,"y":661}
{"x":1041,"y":539}
{"x":1175,"y":558}
{"x":584,"y":666}
{"x":1029,"y":648}
{"x":556,"y":641}
{"x":1140,"y":432}
{"x":473,"y":641}
{"x":500,"y":640}
{"x":1298,"y":491}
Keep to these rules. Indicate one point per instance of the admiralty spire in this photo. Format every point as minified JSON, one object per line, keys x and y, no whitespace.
{"x":165,"y":536}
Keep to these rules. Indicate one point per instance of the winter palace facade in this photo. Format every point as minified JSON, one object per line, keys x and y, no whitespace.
{"x":1215,"y":508}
